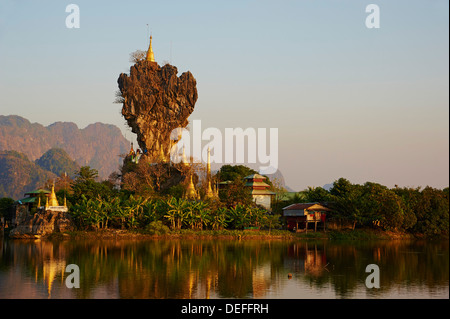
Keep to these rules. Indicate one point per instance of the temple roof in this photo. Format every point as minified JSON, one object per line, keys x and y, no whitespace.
{"x":255,"y":176}
{"x":38,"y":191}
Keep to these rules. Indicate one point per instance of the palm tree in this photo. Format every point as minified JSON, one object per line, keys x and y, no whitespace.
{"x":177,"y":212}
{"x":218,"y":219}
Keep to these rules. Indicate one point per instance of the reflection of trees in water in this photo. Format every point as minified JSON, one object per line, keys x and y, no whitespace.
{"x":175,"y":269}
{"x":225,"y":268}
{"x":401,"y":263}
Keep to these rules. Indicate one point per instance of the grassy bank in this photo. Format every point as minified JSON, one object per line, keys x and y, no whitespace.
{"x":357,"y":234}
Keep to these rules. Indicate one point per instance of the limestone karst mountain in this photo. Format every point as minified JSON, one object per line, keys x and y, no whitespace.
{"x":19,"y":175}
{"x":98,"y":145}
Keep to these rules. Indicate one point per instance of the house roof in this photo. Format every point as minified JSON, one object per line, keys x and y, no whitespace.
{"x":306,"y":206}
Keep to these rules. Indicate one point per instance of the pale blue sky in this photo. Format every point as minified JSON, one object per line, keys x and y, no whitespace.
{"x":364,"y":104}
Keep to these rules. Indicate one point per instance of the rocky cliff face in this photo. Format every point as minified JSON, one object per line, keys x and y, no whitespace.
{"x":156,"y":101}
{"x":41,"y":224}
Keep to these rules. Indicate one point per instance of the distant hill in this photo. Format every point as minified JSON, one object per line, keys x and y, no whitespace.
{"x":98,"y":145}
{"x":278,"y":179}
{"x":57,"y":161}
{"x":19,"y":175}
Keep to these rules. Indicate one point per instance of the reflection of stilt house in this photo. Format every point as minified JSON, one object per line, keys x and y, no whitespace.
{"x":300,"y":216}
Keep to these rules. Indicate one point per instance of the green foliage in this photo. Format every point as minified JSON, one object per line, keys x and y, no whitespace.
{"x":233,"y":172}
{"x":157,"y":228}
{"x":236,"y":193}
{"x":176,"y":191}
{"x":317,"y":194}
{"x":85,"y":184}
{"x":97,"y":205}
{"x":18,"y":171}
{"x":431,"y":210}
{"x":397,"y":209}
{"x":6,"y":207}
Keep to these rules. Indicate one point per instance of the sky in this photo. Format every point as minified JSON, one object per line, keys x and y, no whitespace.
{"x":366,"y":104}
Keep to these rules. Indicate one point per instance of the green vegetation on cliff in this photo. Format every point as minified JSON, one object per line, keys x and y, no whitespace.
{"x":57,"y":161}
{"x":19,"y":175}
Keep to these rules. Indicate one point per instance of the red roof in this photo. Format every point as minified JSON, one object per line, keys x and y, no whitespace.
{"x":301,"y":206}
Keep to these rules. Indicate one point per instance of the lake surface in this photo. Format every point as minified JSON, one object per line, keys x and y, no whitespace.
{"x":223,"y":269}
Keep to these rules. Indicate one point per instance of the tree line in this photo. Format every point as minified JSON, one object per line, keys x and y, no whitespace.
{"x":102,"y":204}
{"x":415,"y":210}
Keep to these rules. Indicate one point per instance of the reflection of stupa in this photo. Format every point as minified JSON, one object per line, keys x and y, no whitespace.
{"x":51,"y":268}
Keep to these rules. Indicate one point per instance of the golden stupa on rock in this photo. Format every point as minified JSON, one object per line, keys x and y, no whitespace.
{"x":52,"y":201}
{"x":150,"y":55}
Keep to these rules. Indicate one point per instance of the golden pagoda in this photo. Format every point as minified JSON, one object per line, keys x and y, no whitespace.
{"x":52,"y":200}
{"x":209,"y":191}
{"x":208,"y":165}
{"x":191,"y":193}
{"x":150,"y":56}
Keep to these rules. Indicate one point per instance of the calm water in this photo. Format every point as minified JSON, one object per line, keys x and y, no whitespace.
{"x":223,"y":269}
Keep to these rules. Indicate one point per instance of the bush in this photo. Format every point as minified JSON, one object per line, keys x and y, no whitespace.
{"x":157,"y":228}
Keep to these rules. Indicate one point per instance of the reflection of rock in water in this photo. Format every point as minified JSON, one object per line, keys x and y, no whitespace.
{"x":156,"y":101}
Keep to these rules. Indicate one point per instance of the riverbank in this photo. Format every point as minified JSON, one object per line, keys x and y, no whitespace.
{"x":357,"y":234}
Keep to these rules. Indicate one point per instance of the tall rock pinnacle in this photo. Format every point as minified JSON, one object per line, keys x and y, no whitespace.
{"x":156,"y":101}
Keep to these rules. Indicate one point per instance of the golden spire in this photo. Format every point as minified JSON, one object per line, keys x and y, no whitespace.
{"x":150,"y":56}
{"x":53,"y":201}
{"x":209,"y":191}
{"x":208,"y":165}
